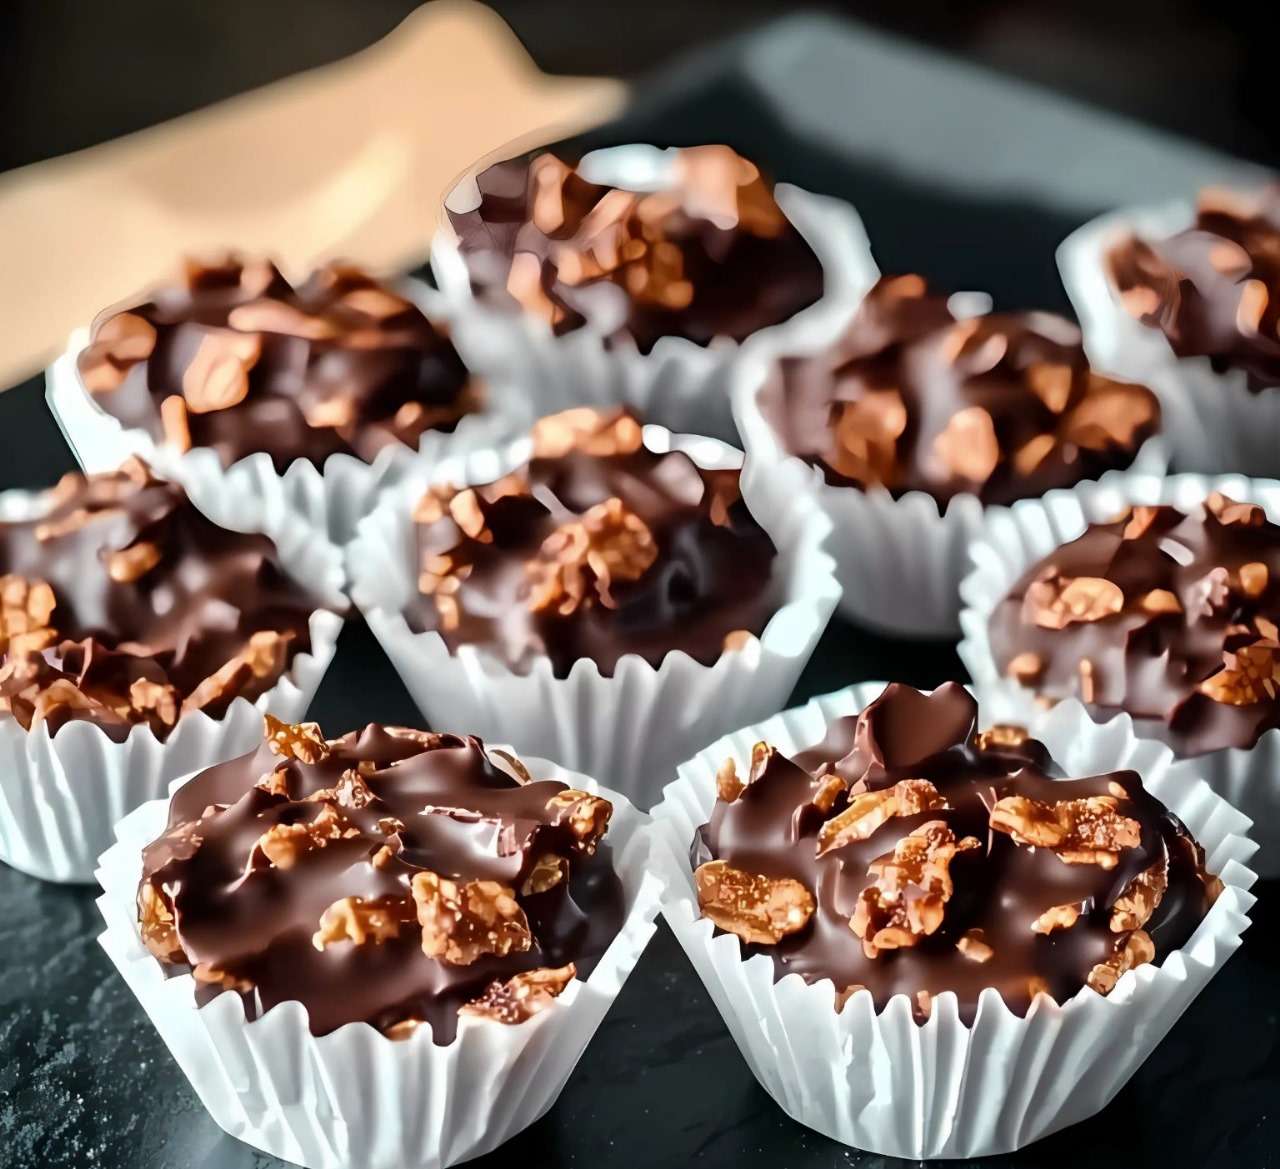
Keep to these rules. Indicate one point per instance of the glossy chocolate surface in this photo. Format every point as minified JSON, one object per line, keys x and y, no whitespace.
{"x":1001,"y":887}
{"x":1165,"y":614}
{"x":1002,"y":406}
{"x":597,"y":547}
{"x":122,"y":604}
{"x":266,"y":853}
{"x":237,"y":360}
{"x":1214,"y":288}
{"x":712,"y":255}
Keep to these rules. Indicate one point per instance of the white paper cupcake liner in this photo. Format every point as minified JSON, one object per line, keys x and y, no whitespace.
{"x":1213,"y":422}
{"x":635,"y":726}
{"x":354,"y":1099}
{"x":679,"y":384}
{"x":899,"y":561}
{"x":331,"y":498}
{"x":885,"y":1083}
{"x":1015,"y":538}
{"x":60,"y":795}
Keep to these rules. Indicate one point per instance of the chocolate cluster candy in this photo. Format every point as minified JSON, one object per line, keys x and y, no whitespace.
{"x":237,"y":360}
{"x":710,"y":255}
{"x":908,"y":853}
{"x":391,"y":876}
{"x":1002,"y":406}
{"x":1170,"y":616}
{"x":123,"y":605}
{"x":1214,"y":288}
{"x":595,"y":548}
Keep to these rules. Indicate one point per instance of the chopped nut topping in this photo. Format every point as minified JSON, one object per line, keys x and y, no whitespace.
{"x":1139,"y":521}
{"x":1086,"y":831}
{"x":609,"y":543}
{"x":1159,"y":601}
{"x":157,"y":925}
{"x":283,"y":845}
{"x":1057,"y":917}
{"x":1140,"y":898}
{"x":1248,"y":675}
{"x":175,"y":423}
{"x":461,"y":921}
{"x":1055,"y":601}
{"x":728,"y":786}
{"x":912,"y":886}
{"x":277,"y":316}
{"x":968,"y":446}
{"x":587,"y":430}
{"x":1051,"y":383}
{"x":1228,"y":511}
{"x":1133,"y":950}
{"x":866,"y":436}
{"x":118,"y":343}
{"x":1088,"y":683}
{"x":869,"y":810}
{"x":133,"y":563}
{"x":218,"y":376}
{"x":1001,"y":735}
{"x":153,"y":698}
{"x":521,"y":996}
{"x":973,"y":946}
{"x":353,"y":919}
{"x":26,"y":607}
{"x":828,"y":789}
{"x":758,"y":909}
{"x":548,"y":871}
{"x":1253,"y":579}
{"x":301,"y":741}
{"x":1026,"y":668}
{"x":213,"y":976}
{"x":586,"y":815}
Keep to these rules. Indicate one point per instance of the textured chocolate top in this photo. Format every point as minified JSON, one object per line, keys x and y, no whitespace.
{"x":391,"y":876}
{"x":710,"y":256}
{"x":1214,"y":288}
{"x":1167,"y":615}
{"x":1002,"y":406}
{"x":123,"y":604}
{"x":236,"y":359}
{"x":908,"y":854}
{"x":595,"y":548}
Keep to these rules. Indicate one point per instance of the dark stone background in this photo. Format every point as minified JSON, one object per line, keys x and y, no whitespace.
{"x":84,"y":1080}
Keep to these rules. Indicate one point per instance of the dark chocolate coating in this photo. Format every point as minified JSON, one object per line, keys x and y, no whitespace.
{"x":349,"y":367}
{"x":1214,"y":288}
{"x":1000,"y":887}
{"x":717,"y":258}
{"x":871,"y":409}
{"x":1154,"y":664}
{"x":709,"y":579}
{"x":464,"y":819}
{"x":182,"y":620}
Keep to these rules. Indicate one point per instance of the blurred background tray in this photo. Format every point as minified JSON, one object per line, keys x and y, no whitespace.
{"x":967,"y":177}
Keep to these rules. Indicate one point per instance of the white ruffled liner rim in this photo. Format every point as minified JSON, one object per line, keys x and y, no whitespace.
{"x":880,"y":1081}
{"x":635,"y":726}
{"x":331,"y":498}
{"x":354,"y":1098}
{"x":60,"y":794}
{"x":899,"y":560}
{"x":679,"y":383}
{"x":1214,"y":422}
{"x":1015,"y":538}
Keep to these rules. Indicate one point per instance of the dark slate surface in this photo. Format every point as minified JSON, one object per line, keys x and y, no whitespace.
{"x":969,"y":179}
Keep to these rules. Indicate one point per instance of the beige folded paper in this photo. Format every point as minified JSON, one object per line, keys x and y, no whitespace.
{"x":351,"y":159}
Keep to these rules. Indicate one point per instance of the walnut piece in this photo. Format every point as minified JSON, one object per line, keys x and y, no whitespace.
{"x":1001,"y":735}
{"x":1134,"y":949}
{"x":728,"y":786}
{"x":912,"y":885}
{"x":869,"y":810}
{"x":353,"y":919}
{"x":1248,"y":675}
{"x":463,"y":920}
{"x":157,"y":925}
{"x":548,"y":871}
{"x":1057,"y":917}
{"x":968,"y":446}
{"x":866,"y":433}
{"x":302,"y":741}
{"x":26,"y":607}
{"x":973,"y":945}
{"x":1088,"y":831}
{"x":521,"y":996}
{"x":609,"y":543}
{"x":758,"y":909}
{"x":217,"y":376}
{"x":1055,"y":601}
{"x":133,"y":563}
{"x":586,"y":816}
{"x":1139,"y":899}
{"x":283,"y":845}
{"x":591,"y":431}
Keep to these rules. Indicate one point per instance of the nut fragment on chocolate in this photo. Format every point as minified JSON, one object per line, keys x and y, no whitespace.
{"x":1167,"y":614}
{"x":1212,"y":289}
{"x":393,"y":877}
{"x":122,"y":605}
{"x":234,"y":358}
{"x":595,"y":548}
{"x":909,"y":398}
{"x":708,"y":254}
{"x":947,"y":859}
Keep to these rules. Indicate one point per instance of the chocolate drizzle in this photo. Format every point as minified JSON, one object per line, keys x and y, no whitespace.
{"x":237,"y":360}
{"x":792,"y":822}
{"x":1171,"y":618}
{"x":297,"y":872}
{"x":597,"y":547}
{"x":122,"y":604}
{"x":1212,"y":289}
{"x":1002,"y":406}
{"x":710,"y":256}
